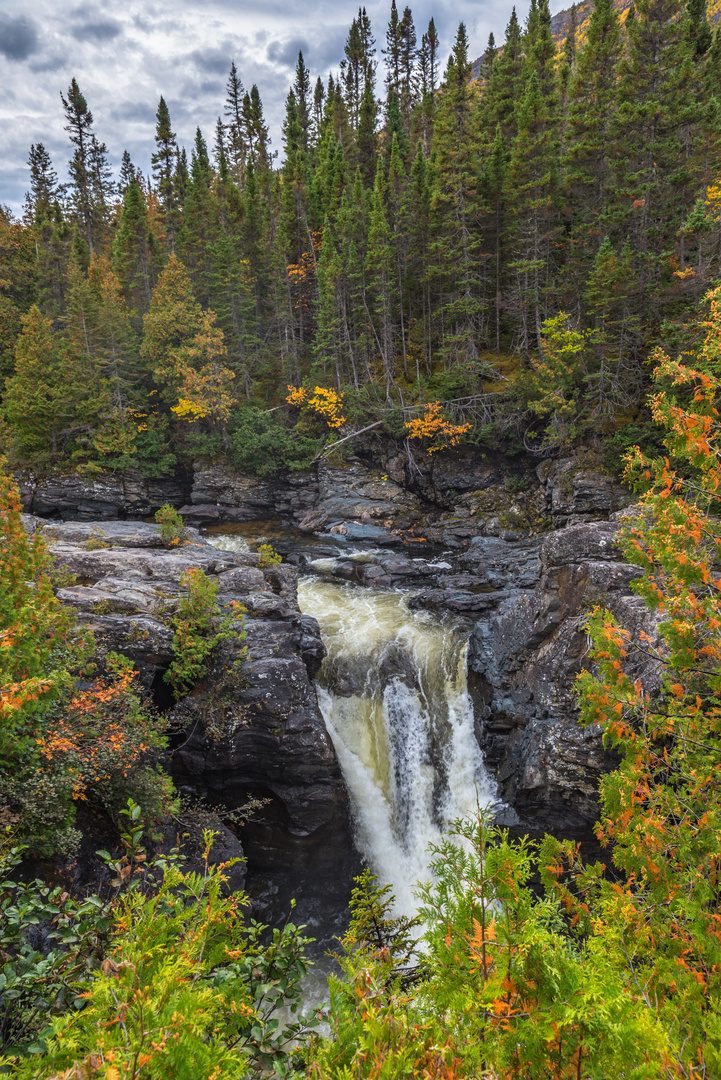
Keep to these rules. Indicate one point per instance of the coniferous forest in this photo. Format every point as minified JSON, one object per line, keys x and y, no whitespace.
{"x":514,"y":245}
{"x":518,"y":253}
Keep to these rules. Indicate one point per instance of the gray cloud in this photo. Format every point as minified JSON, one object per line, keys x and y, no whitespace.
{"x":286,"y":52}
{"x":215,"y":60}
{"x":18,"y":37}
{"x":99,"y":30}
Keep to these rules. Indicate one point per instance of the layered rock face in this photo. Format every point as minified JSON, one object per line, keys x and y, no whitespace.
{"x":253,"y":727}
{"x":523,"y":663}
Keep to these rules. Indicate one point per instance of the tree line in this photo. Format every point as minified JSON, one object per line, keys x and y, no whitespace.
{"x":441,"y":237}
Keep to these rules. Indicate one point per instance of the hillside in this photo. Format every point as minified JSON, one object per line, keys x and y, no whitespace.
{"x":560,"y":22}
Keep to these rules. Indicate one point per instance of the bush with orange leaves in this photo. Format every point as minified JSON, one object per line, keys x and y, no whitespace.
{"x":433,"y":427}
{"x":325,"y":404}
{"x":60,"y":747}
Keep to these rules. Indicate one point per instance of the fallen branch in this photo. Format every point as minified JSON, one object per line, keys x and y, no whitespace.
{"x":345,"y":439}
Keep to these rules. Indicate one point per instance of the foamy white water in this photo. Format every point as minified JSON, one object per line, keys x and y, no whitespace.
{"x":393,"y":694}
{"x":228,"y":542}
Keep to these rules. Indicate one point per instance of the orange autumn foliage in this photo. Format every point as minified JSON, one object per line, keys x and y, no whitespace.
{"x":434,"y":427}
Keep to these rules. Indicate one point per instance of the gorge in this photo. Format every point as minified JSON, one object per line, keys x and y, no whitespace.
{"x":414,"y":662}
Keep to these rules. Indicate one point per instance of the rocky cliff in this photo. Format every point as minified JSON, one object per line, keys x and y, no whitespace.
{"x":249,"y":730}
{"x":523,"y":663}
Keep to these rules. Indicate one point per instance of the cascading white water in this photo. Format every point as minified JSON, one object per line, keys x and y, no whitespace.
{"x":394,"y":698}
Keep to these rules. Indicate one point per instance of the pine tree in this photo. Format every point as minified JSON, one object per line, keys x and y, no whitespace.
{"x":164,"y":164}
{"x":407,"y":60}
{"x":301,"y":89}
{"x":588,"y":153}
{"x":457,"y":269}
{"x":200,"y":224}
{"x":174,"y":320}
{"x":392,"y":53}
{"x":235,"y":125}
{"x":504,"y":85}
{"x":128,"y":172}
{"x":79,"y":125}
{"x":318,"y":108}
{"x":38,"y":400}
{"x":533,"y":188}
{"x":43,"y":182}
{"x":494,"y":186}
{"x":381,"y":277}
{"x":135,"y":252}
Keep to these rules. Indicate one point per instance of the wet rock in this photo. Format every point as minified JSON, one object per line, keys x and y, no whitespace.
{"x":523,"y":665}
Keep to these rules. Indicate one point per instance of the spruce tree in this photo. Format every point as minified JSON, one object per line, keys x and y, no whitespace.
{"x":128,"y":172}
{"x":43,"y":182}
{"x":588,"y":151}
{"x":174,"y":320}
{"x":235,"y":125}
{"x":301,"y":90}
{"x":79,"y":125}
{"x":164,"y":164}
{"x":38,"y":401}
{"x":456,"y":267}
{"x":135,"y":252}
{"x":502,"y":94}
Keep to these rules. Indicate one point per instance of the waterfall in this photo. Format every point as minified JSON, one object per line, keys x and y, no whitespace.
{"x":394,"y":698}
{"x":393,"y":694}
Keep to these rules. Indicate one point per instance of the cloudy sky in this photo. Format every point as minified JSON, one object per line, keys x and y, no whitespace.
{"x":125,"y":53}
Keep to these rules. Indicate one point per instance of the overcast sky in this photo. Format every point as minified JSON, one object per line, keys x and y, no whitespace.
{"x":125,"y":53}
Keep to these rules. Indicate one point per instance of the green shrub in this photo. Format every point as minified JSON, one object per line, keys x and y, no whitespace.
{"x":172,"y":528}
{"x":199,"y":629}
{"x":262,"y":445}
{"x":164,"y":977}
{"x":268,"y":557}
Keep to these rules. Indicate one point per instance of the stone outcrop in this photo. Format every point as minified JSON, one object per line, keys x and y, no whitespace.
{"x":253,"y":726}
{"x":523,"y":663}
{"x":78,"y":497}
{"x":574,"y":494}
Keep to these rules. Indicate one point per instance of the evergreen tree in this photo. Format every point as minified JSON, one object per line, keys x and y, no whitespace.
{"x":39,"y":398}
{"x":164,"y":165}
{"x":456,"y":267}
{"x":43,"y":182}
{"x":392,"y":53}
{"x":381,"y":279}
{"x":82,"y":166}
{"x":406,"y":61}
{"x":504,"y":84}
{"x":134,"y":252}
{"x":318,"y":108}
{"x":301,"y":90}
{"x":128,"y":172}
{"x":588,"y":153}
{"x":533,"y":188}
{"x":174,"y":320}
{"x":235,"y":124}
